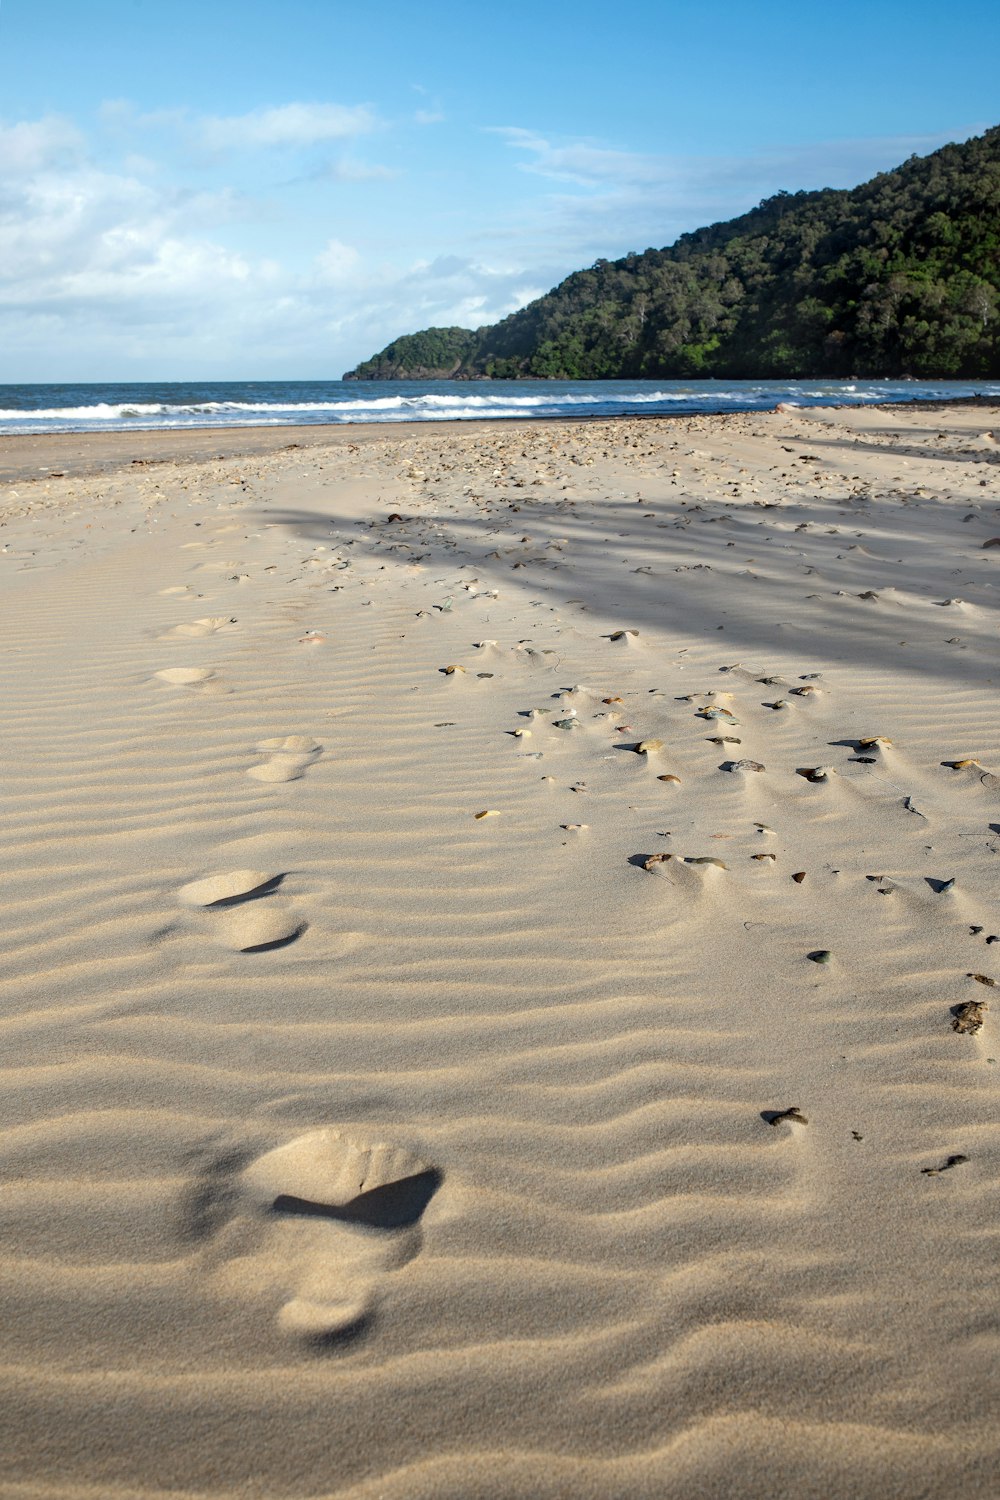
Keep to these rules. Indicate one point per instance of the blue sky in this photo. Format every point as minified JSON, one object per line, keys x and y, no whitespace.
{"x":205,"y":189}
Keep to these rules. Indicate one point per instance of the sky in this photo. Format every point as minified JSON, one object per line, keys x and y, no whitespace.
{"x":275,"y":189}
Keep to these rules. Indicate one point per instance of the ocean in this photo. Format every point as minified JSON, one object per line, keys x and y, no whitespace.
{"x":296,"y":403}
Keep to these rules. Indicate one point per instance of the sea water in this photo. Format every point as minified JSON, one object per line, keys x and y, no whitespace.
{"x":294,"y":403}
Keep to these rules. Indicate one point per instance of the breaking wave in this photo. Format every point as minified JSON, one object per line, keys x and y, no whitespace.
{"x":76,"y":408}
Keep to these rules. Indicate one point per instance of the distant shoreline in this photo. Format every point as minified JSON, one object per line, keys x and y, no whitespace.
{"x":29,"y":456}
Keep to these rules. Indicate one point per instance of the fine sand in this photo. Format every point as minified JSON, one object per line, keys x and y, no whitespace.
{"x":500,"y":957}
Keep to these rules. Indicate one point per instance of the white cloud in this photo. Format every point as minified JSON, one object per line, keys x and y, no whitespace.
{"x":104,"y":271}
{"x":376,"y":303}
{"x":591,"y":165}
{"x":433,"y":112}
{"x":582,"y":162}
{"x":286,"y":125}
{"x":101,"y":254}
{"x":350,"y":170}
{"x":606,"y":202}
{"x":337,"y":262}
{"x":31,"y":144}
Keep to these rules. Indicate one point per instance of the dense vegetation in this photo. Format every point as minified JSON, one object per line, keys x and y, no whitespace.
{"x":900,"y":276}
{"x":434,"y":354}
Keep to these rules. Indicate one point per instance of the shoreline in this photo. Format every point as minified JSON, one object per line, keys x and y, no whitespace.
{"x":30,"y":456}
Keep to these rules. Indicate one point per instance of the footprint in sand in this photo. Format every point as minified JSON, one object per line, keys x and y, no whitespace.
{"x":233,"y":885}
{"x":202,"y":678}
{"x":239,"y":911}
{"x":288,"y":758}
{"x":317,"y":1224}
{"x":686,"y":872}
{"x":195,"y":629}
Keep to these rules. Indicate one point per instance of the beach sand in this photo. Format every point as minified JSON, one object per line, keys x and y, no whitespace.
{"x":639,"y":1139}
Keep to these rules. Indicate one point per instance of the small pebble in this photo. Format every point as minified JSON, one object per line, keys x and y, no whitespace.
{"x":968,"y":1018}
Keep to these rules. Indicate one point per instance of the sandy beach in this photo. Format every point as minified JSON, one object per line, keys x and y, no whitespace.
{"x":501,"y":947}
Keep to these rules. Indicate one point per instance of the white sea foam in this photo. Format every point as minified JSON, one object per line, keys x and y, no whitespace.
{"x":452,"y":401}
{"x":104,"y":412}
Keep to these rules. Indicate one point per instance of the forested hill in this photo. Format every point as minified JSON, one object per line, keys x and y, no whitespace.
{"x":434,"y":354}
{"x":900,"y":276}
